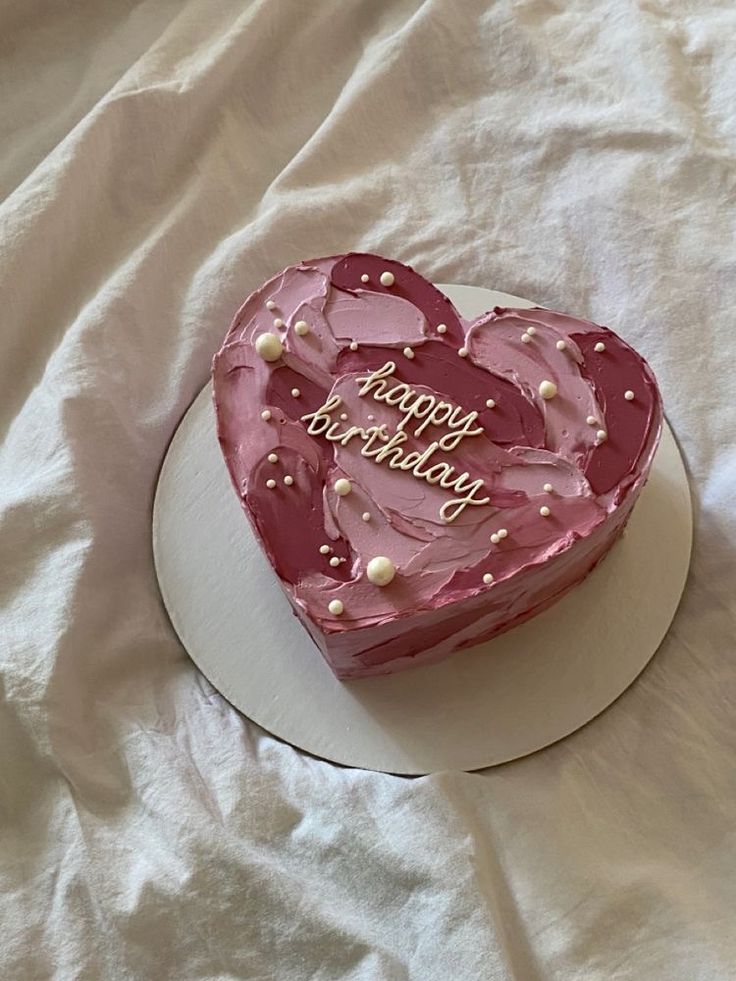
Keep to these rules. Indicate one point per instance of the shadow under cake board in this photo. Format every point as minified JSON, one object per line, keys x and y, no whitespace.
{"x":480,"y":707}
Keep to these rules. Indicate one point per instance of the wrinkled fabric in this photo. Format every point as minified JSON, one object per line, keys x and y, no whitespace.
{"x":159,"y":160}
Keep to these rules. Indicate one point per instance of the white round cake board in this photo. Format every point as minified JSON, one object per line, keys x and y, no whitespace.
{"x":480,"y":707}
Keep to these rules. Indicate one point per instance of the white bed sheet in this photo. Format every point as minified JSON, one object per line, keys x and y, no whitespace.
{"x":161,"y":159}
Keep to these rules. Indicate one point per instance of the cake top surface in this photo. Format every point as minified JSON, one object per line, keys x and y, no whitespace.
{"x":394,"y":456}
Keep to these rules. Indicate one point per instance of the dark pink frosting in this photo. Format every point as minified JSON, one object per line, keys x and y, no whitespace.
{"x":438,"y":600}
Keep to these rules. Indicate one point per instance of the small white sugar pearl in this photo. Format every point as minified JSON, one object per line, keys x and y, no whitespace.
{"x":324,"y":549}
{"x":336,"y":607}
{"x":266,"y":415}
{"x":600,"y":346}
{"x":502,"y":533}
{"x":353,"y":345}
{"x":592,"y":421}
{"x":366,"y":516}
{"x":270,"y":305}
{"x":629,"y":395}
{"x":342,"y":487}
{"x":270,"y":483}
{"x":288,"y":480}
{"x":408,"y":353}
{"x":526,"y":339}
{"x":463,"y":352}
{"x":548,"y":488}
{"x":601,"y":435}
{"x":278,"y":322}
{"x":561,"y":345}
{"x":531,"y":330}
{"x":545,"y":511}
{"x":296,"y":393}
{"x":488,"y":579}
{"x":364,"y":278}
{"x":441,"y":328}
{"x":272,"y":458}
{"x":387,"y":279}
{"x":490,"y":404}
{"x":334,"y":562}
{"x":495,"y":539}
{"x":301,"y":327}
{"x":343,"y":416}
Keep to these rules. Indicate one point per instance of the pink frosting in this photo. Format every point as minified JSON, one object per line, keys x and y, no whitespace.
{"x":438,"y":600}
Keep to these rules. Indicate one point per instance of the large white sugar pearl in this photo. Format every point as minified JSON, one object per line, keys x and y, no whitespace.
{"x":343,"y":487}
{"x":547,"y":389}
{"x":336,"y":607}
{"x":380,"y":570}
{"x":269,"y":347}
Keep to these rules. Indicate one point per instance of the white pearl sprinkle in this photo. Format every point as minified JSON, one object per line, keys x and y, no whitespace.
{"x":270,"y":305}
{"x":441,"y":328}
{"x":561,"y":345}
{"x":502,"y":533}
{"x":366,"y":516}
{"x":600,"y":346}
{"x":526,"y":339}
{"x":266,"y":415}
{"x":495,"y":539}
{"x":324,"y":549}
{"x":463,"y":352}
{"x":548,"y":488}
{"x":601,"y":435}
{"x":334,"y":562}
{"x":269,"y":347}
{"x":272,"y":458}
{"x":288,"y":480}
{"x":592,"y":421}
{"x":488,"y":579}
{"x":380,"y":571}
{"x":343,"y":416}
{"x":408,"y":353}
{"x":387,"y":279}
{"x":271,"y":483}
{"x":364,"y":278}
{"x":278,"y":322}
{"x":547,"y":389}
{"x":531,"y":330}
{"x":336,"y":607}
{"x":545,"y":511}
{"x":296,"y":393}
{"x":342,"y":487}
{"x":490,"y":404}
{"x":629,"y":395}
{"x":353,"y":345}
{"x":301,"y":327}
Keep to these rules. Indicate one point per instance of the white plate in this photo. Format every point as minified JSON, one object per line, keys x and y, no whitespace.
{"x":480,"y":707}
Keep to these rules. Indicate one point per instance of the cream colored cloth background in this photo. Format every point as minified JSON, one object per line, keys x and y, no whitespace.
{"x":159,"y":160}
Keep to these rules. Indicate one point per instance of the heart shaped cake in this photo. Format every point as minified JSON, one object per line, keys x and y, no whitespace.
{"x":420,"y":482}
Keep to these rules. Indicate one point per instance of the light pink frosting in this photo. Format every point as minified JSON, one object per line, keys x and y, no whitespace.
{"x":438,"y":600}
